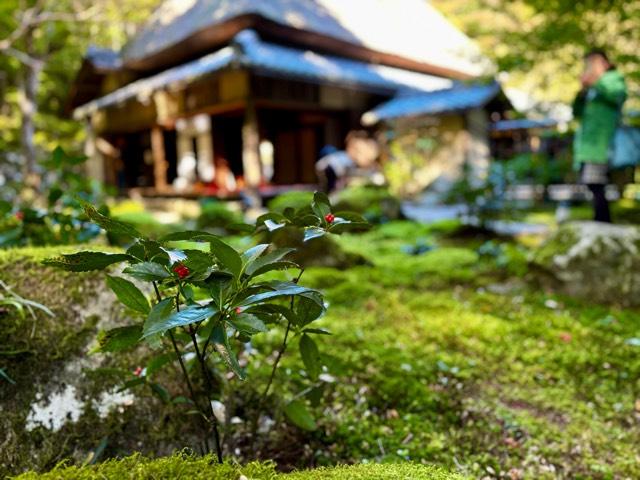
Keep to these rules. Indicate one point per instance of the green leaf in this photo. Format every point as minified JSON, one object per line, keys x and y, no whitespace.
{"x":240,"y":228}
{"x":156,"y":363}
{"x":117,"y":339}
{"x":131,"y":384}
{"x":274,"y":266}
{"x":281,"y":290}
{"x":109,"y":224}
{"x":298,"y":414}
{"x":4,"y":375}
{"x":271,"y":257}
{"x":253,"y":253}
{"x":272,"y":313}
{"x":321,"y":205}
{"x":87,"y":261}
{"x":198,"y":261}
{"x":129,"y":294}
{"x":313,"y":232}
{"x":274,"y":218}
{"x":226,"y":255}
{"x":187,"y":316}
{"x":273,"y":226}
{"x":247,"y":323}
{"x":307,"y":220}
{"x":316,"y":331}
{"x":174,"y":255}
{"x":147,"y":271}
{"x":161,"y":392}
{"x":188,"y":235}
{"x":310,"y":356}
{"x":309,"y":307}
{"x":221,"y":344}
{"x":158,"y":314}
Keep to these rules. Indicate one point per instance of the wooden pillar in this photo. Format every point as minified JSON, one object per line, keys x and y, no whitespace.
{"x":95,"y":161}
{"x":251,"y":147}
{"x":159,"y":158}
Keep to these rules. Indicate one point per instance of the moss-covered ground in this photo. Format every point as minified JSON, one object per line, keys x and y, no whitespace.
{"x":443,"y":352}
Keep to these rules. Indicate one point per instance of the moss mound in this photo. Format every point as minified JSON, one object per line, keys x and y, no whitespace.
{"x":376,"y":204}
{"x":178,"y":466}
{"x":293,"y":199}
{"x":318,"y":252}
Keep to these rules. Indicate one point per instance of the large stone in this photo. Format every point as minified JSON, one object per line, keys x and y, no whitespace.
{"x":594,"y":261}
{"x":64,"y":403}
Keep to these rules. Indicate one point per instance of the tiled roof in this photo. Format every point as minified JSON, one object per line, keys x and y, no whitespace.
{"x":250,"y":52}
{"x":411,"y":29}
{"x":456,"y":98}
{"x":522,"y":124}
{"x":103,"y":58}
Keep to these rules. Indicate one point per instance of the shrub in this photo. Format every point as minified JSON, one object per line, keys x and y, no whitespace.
{"x":53,"y":215}
{"x":217,"y":215}
{"x":293,"y":199}
{"x":376,"y":204}
{"x":209,"y":302}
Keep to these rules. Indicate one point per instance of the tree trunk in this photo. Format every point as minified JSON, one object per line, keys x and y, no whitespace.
{"x":28,"y":90}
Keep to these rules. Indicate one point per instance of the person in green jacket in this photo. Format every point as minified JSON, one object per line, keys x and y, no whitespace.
{"x":597,"y":107}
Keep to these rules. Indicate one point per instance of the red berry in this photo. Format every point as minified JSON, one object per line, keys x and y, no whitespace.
{"x":20,"y":215}
{"x":329,"y":217}
{"x":182,"y":271}
{"x":238,"y":310}
{"x":138,"y":371}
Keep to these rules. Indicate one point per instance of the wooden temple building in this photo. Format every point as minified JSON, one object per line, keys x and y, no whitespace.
{"x":213,"y":96}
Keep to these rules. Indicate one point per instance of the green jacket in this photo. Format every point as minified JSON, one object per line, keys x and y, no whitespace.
{"x":598,"y":110}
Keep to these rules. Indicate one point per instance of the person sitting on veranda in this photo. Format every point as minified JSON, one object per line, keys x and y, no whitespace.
{"x":597,"y":106}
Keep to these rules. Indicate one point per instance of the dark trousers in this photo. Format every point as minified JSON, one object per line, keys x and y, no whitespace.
{"x":330,"y":179}
{"x":600,"y":204}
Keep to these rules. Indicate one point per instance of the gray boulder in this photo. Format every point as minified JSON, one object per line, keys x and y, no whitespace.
{"x":595,"y":261}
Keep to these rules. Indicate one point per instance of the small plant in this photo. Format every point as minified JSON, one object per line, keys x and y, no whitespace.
{"x":209,"y":300}
{"x":11,"y":300}
{"x":55,"y":217}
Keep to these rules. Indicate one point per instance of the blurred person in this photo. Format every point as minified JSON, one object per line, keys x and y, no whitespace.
{"x":333,"y":167}
{"x":597,"y":107}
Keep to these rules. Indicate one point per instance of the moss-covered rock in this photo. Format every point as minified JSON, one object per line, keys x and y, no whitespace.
{"x":595,"y":261}
{"x":64,"y":403}
{"x":178,"y":466}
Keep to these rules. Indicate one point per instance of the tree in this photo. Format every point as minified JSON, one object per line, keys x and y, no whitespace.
{"x":40,"y":53}
{"x":540,"y":44}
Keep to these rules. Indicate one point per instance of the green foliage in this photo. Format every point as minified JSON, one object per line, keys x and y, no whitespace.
{"x":233,"y":304}
{"x":11,"y":300}
{"x":541,"y":44}
{"x":536,"y":168}
{"x":56,"y":217}
{"x":293,"y":199}
{"x":376,"y":204}
{"x":59,"y":34}
{"x":201,"y":468}
{"x":217,"y":216}
{"x":446,"y":357}
{"x":485,"y":198}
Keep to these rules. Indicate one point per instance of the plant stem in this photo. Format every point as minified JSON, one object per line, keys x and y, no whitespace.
{"x":281,"y":351}
{"x":192,"y":393}
{"x":207,"y":380}
{"x":209,"y":391}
